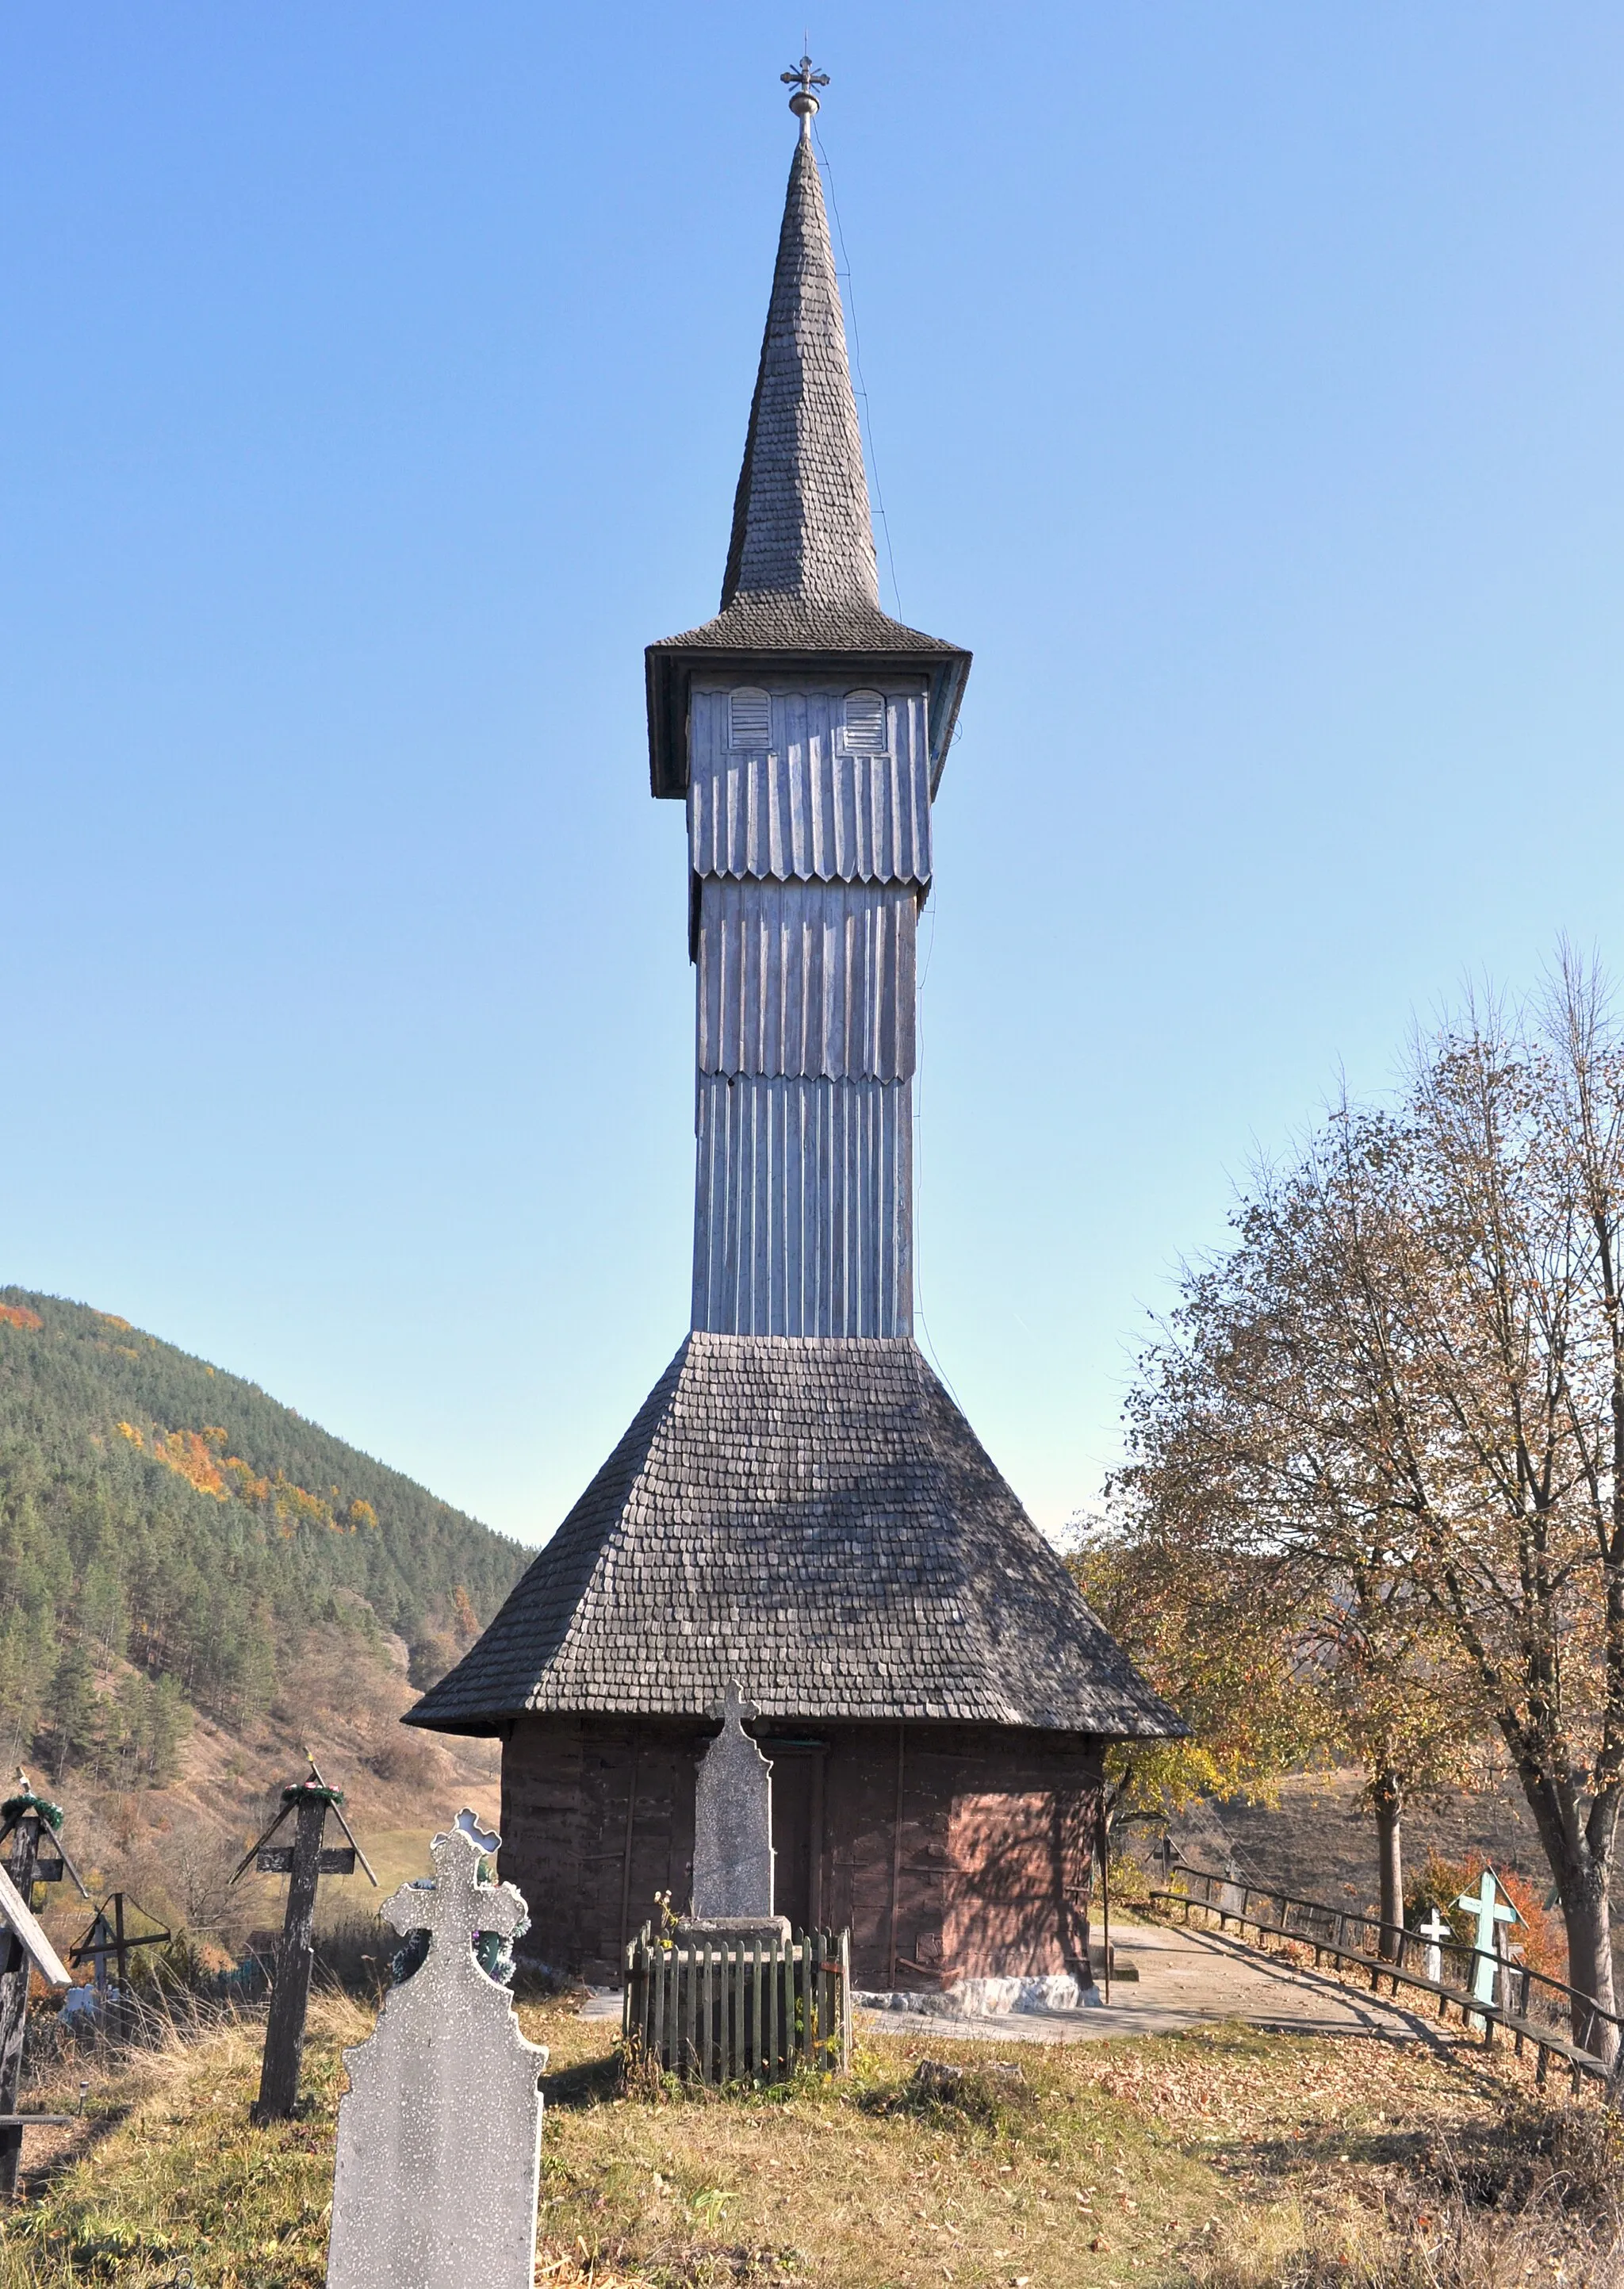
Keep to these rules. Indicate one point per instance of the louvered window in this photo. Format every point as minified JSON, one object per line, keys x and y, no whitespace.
{"x":864,"y":733}
{"x":750,"y":719}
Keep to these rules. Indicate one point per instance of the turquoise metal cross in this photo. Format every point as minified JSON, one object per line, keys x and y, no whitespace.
{"x":1490,"y":1910}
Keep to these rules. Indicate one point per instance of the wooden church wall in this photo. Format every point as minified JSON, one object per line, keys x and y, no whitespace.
{"x":986,"y":1870}
{"x":810,"y":849}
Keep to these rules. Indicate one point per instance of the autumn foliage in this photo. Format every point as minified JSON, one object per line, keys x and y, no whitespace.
{"x":171,"y":1538}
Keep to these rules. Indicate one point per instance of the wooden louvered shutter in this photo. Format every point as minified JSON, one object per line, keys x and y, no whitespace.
{"x":864,"y":729}
{"x":750,"y":719}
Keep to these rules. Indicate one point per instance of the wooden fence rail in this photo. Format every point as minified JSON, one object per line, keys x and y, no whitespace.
{"x":1310,"y":1923}
{"x":732,"y":2012}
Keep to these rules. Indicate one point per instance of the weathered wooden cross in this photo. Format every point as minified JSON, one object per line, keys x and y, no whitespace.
{"x":1435,"y":1930}
{"x":33,"y":1826}
{"x":107,"y":1936}
{"x":302,"y":1862}
{"x":1491,"y":1910}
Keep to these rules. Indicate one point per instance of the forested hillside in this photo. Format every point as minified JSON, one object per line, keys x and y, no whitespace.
{"x":170,"y":1537}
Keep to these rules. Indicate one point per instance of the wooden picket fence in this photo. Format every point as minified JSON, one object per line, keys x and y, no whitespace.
{"x":755,"y":2012}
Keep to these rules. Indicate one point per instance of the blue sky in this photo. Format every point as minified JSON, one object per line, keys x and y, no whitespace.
{"x":1245,"y":388}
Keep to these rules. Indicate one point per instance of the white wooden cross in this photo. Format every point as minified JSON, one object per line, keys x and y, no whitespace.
{"x":1490,"y":1910}
{"x":1434,"y":1931}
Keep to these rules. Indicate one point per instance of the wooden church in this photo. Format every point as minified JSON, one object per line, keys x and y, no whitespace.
{"x":798,"y":1507}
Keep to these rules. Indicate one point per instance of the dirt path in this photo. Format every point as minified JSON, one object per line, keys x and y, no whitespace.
{"x":1185,"y":1977}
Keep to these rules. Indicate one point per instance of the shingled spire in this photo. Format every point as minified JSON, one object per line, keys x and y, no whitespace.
{"x":801,"y":584}
{"x":800,"y":516}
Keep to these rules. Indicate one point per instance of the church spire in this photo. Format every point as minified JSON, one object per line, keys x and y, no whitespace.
{"x":800,"y":516}
{"x":800,"y":591}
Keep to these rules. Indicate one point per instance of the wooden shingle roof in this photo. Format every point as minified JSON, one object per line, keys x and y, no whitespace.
{"x":801,"y":513}
{"x":814,"y":1520}
{"x":801,"y":581}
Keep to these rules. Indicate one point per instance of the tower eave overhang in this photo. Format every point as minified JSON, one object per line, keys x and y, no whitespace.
{"x":863,"y":643}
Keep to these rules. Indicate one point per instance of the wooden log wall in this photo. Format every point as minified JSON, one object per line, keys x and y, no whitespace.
{"x":949,"y":1851}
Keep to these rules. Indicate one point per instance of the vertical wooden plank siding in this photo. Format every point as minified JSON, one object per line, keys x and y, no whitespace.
{"x":811,"y":858}
{"x":811,"y":981}
{"x":803,"y":1206}
{"x":809,"y":2009}
{"x":800,"y":807}
{"x":738,"y":2013}
{"x":817,"y":1943}
{"x":736,"y":2000}
{"x":757,"y":2030}
{"x":774,"y":1983}
{"x":707,"y":2012}
{"x":690,"y":2061}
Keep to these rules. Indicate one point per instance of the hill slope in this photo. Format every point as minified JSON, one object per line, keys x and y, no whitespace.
{"x":174,"y":1545}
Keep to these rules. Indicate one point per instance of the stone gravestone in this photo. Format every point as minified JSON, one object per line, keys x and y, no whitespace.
{"x":440,"y":2131}
{"x":733,"y":1833}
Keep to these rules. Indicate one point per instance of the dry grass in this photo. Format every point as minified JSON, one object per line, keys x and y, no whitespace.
{"x":170,"y":2171}
{"x":1221,"y":2156}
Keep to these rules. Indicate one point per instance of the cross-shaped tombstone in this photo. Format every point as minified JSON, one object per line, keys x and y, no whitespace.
{"x":440,"y":2131}
{"x":732,"y":1831}
{"x":1491,"y":1910}
{"x":1435,"y":1930}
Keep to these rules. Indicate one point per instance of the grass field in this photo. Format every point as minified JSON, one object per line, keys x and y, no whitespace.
{"x":1221,"y":2156}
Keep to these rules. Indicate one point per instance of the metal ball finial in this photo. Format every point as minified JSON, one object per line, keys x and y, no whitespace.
{"x":803,"y":79}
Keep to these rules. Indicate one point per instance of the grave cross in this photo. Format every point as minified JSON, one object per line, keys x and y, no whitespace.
{"x":1490,"y":1910}
{"x":302,"y":1862}
{"x":1435,"y":1930}
{"x":107,"y":1936}
{"x":733,"y":1827}
{"x":34,"y":1827}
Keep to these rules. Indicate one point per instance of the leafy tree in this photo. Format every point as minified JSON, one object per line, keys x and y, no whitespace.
{"x":1390,"y":1699}
{"x":1204,"y":1625}
{"x":1411,"y":1359}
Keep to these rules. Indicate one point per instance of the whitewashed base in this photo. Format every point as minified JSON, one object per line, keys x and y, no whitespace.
{"x":990,"y":1998}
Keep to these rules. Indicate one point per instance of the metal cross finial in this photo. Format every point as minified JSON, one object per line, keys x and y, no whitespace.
{"x":803,"y":79}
